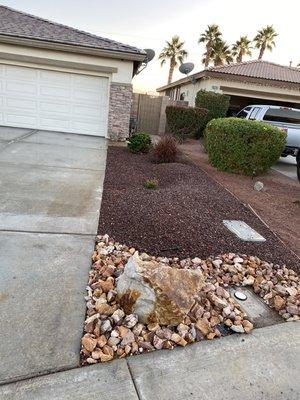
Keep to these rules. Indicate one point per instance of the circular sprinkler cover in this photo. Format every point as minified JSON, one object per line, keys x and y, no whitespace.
{"x":240,"y":295}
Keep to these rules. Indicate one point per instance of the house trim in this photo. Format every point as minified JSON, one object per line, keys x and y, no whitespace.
{"x":72,"y":48}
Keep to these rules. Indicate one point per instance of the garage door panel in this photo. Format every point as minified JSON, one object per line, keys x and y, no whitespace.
{"x":26,"y":104}
{"x":28,"y":121}
{"x":21,"y":73}
{"x":86,"y":111}
{"x":55,"y":91}
{"x":61,"y":124}
{"x":52,"y":100}
{"x":57,"y":107}
{"x":22,"y":88}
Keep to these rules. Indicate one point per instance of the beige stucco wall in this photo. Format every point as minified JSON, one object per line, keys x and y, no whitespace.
{"x":124,"y":67}
{"x":213,"y":84}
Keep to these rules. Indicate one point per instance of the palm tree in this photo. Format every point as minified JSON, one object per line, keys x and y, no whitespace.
{"x":221,"y":53}
{"x":265,"y":40}
{"x":174,"y":52}
{"x":211,"y":35}
{"x":241,"y":48}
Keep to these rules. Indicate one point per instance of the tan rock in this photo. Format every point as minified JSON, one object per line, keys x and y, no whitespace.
{"x":101,"y":341}
{"x":279,"y":302}
{"x":108,"y":350}
{"x":91,"y":360}
{"x":105,"y":309}
{"x":128,"y":338}
{"x":89,"y":343}
{"x":156,"y":292}
{"x":122,"y":331}
{"x":107,"y":285}
{"x":153,"y":327}
{"x":106,"y":357}
{"x":211,"y":335}
{"x":96,"y":354}
{"x":248,"y":326}
{"x":203,"y":326}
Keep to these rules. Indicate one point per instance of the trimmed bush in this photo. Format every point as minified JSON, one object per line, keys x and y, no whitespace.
{"x":139,"y":143}
{"x":217,"y":104}
{"x":166,"y":150}
{"x":185,"y":121}
{"x":242,"y":146}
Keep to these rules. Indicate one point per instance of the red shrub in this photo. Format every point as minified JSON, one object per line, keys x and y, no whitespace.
{"x":166,"y":150}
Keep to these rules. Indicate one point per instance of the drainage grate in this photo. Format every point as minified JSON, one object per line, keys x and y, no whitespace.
{"x":243,"y":231}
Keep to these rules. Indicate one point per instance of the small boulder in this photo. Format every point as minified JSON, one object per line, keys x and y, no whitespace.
{"x":156,"y":292}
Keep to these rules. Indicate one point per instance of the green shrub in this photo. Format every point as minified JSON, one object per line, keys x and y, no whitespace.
{"x":151,"y":184}
{"x":217,"y":104}
{"x":242,"y":146}
{"x":185,"y":121}
{"x":139,"y":143}
{"x":165,"y":150}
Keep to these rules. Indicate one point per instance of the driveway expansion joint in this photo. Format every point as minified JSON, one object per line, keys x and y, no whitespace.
{"x":133,"y":381}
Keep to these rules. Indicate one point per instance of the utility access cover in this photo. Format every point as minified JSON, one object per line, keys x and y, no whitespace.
{"x":243,"y":231}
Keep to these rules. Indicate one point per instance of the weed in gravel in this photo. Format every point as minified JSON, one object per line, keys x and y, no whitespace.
{"x":151,"y":184}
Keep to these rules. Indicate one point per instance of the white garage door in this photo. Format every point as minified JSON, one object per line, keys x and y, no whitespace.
{"x":51,"y":100}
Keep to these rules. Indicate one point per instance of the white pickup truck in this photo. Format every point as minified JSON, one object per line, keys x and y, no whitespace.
{"x":285,"y":118}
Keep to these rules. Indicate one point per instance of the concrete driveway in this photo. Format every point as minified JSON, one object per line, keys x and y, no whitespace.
{"x":50,"y":194}
{"x":287,"y":166}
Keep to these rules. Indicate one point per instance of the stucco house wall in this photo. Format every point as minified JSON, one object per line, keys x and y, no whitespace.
{"x":212,"y":84}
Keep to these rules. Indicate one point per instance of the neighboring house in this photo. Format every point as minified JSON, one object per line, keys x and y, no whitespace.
{"x":54,"y":77}
{"x":252,"y":82}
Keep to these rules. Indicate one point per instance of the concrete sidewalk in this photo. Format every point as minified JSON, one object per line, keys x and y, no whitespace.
{"x":50,"y":195}
{"x":264,"y":365}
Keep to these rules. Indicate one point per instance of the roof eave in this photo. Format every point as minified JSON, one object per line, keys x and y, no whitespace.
{"x":179,"y":82}
{"x":72,"y":48}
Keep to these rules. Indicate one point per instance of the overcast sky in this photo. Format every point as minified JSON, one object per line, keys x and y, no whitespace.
{"x":147,"y":24}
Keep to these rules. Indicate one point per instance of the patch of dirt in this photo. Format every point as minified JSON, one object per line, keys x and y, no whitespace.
{"x":278,"y":204}
{"x":182,"y":217}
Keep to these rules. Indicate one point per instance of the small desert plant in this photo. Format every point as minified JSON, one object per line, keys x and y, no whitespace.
{"x":151,"y":184}
{"x":166,"y":150}
{"x":139,"y":143}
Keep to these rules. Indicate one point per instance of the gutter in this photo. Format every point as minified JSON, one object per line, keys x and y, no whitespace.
{"x":72,"y":48}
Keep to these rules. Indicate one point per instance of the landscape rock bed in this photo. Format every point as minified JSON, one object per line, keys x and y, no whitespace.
{"x":109,"y":333}
{"x":182,"y":217}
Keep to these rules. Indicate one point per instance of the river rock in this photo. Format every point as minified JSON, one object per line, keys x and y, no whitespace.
{"x":157,"y":293}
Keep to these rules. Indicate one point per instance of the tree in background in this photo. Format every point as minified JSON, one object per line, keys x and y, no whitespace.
{"x":221,"y":53}
{"x":265,"y":40}
{"x":241,"y":48}
{"x":211,"y":35}
{"x":174,"y":52}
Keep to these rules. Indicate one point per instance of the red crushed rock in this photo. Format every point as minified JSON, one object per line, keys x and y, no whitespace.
{"x":278,"y":204}
{"x":182,"y":217}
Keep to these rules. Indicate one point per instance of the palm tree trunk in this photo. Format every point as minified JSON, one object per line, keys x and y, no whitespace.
{"x":207,"y":56}
{"x":239,"y":58}
{"x":171,"y":70}
{"x":261,"y":52}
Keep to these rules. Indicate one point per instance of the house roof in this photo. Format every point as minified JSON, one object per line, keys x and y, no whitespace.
{"x":256,"y":70}
{"x":14,"y":23}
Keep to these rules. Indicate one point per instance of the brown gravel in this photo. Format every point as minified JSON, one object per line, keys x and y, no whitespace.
{"x":278,"y":204}
{"x":182,"y":217}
